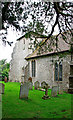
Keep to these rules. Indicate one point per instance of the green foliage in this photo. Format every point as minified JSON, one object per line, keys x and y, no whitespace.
{"x":4,"y":68}
{"x":71,"y":49}
{"x":39,"y":27}
{"x":35,"y":106}
{"x":40,"y":17}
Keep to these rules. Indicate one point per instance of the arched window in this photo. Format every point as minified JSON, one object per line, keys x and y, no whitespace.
{"x":56,"y":71}
{"x":33,"y":68}
{"x":60,"y":71}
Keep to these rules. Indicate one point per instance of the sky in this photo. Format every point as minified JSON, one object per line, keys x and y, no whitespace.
{"x":5,"y":51}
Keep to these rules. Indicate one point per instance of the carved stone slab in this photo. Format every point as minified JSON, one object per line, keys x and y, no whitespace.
{"x":54,"y":91}
{"x":24,"y":89}
{"x":36,"y":85}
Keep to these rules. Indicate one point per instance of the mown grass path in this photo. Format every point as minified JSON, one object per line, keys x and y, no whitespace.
{"x":35,"y":106}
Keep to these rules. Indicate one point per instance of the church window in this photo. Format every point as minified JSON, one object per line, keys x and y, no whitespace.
{"x":33,"y":68}
{"x":60,"y":71}
{"x":56,"y":71}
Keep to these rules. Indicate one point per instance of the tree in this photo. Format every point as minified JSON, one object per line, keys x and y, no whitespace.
{"x":4,"y":68}
{"x":40,"y":16}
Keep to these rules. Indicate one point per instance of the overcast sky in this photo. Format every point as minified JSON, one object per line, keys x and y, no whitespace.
{"x":5,"y":51}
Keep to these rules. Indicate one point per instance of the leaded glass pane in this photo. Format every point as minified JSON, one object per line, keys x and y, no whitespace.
{"x":56,"y":71}
{"x":60,"y":71}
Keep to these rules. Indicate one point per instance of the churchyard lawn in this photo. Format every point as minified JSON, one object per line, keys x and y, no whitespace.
{"x":35,"y":106}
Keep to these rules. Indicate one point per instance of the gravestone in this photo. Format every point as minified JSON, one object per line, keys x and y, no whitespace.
{"x":30,"y":85}
{"x":60,"y":89}
{"x":36,"y":85}
{"x":2,"y":86}
{"x":54,"y":91}
{"x":45,"y":86}
{"x":24,"y":89}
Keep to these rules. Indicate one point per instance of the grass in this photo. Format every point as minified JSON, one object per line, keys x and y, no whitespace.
{"x":35,"y":106}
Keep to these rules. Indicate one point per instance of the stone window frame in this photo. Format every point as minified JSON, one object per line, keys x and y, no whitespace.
{"x":33,"y":68}
{"x":58,"y":74}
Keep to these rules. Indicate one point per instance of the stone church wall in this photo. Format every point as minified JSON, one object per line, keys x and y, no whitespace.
{"x":20,"y":51}
{"x":45,"y":69}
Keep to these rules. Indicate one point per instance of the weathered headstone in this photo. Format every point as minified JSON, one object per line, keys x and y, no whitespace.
{"x":30,"y":85}
{"x":2,"y":86}
{"x":24,"y":89}
{"x":36,"y":85}
{"x":45,"y":86}
{"x":54,"y":91}
{"x":60,"y":89}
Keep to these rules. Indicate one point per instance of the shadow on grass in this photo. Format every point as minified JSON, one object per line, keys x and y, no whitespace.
{"x":25,"y":99}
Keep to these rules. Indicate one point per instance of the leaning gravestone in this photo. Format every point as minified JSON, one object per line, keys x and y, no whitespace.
{"x":54,"y":91}
{"x":36,"y":85}
{"x":24,"y":89}
{"x":2,"y":86}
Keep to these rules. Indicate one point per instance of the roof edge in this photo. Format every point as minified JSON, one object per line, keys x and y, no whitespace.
{"x":27,"y":58}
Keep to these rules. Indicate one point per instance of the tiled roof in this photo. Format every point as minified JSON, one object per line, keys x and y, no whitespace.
{"x":44,"y":50}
